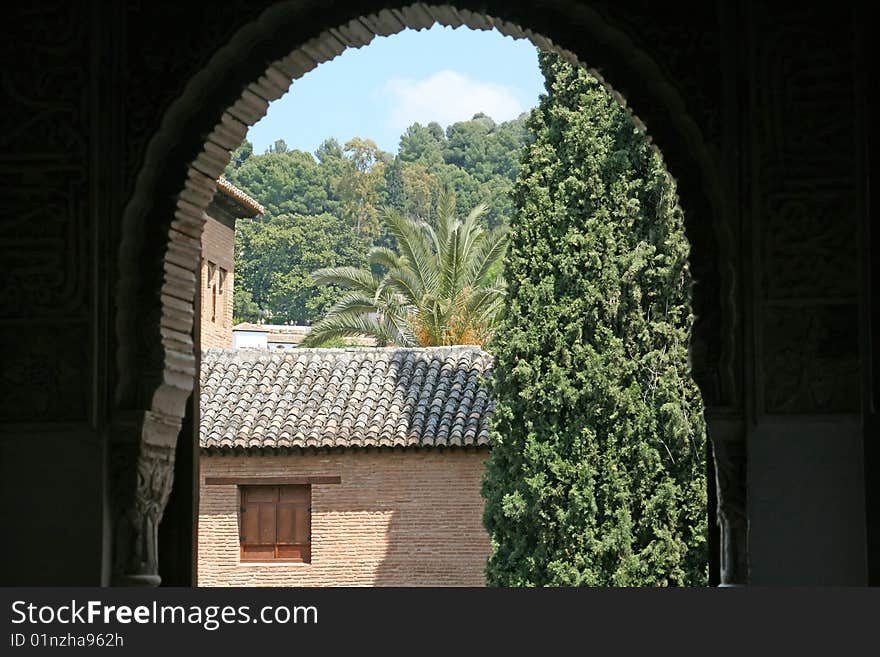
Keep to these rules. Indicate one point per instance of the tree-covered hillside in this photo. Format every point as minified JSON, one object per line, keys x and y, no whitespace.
{"x":323,"y":209}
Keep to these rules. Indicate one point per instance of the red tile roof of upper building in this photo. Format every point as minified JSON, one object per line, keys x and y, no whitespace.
{"x":239,"y":196}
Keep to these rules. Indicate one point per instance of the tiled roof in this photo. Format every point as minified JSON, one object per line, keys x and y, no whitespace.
{"x":245,"y":201}
{"x":352,"y":397}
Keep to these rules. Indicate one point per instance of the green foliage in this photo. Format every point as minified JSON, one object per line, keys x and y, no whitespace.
{"x":280,"y":146}
{"x":276,"y":256}
{"x":357,"y":186}
{"x":287,"y":182}
{"x":477,"y":160}
{"x":239,"y":156}
{"x":395,"y":191}
{"x":421,"y":144}
{"x":351,"y":183}
{"x":596,"y":475}
{"x":436,"y":288}
{"x":329,"y":151}
{"x":467,"y":142}
{"x":333,"y":343}
{"x":244,"y":309}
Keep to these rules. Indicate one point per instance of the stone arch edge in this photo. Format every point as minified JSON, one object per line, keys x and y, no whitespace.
{"x":154,"y":384}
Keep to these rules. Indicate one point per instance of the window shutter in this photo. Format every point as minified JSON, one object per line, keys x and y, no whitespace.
{"x":258,"y":522}
{"x":210,"y":278}
{"x":303,"y":527}
{"x":250,"y":523}
{"x":276,"y":523}
{"x":293,"y":523}
{"x":287,"y":517}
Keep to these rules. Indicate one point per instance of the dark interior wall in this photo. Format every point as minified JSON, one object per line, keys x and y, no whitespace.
{"x":868,"y":98}
{"x":806,"y":513}
{"x":769,"y":90}
{"x":54,"y":322}
{"x":52,"y":484}
{"x":802,"y":216}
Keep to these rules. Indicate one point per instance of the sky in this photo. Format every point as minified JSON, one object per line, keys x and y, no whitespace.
{"x":376,"y":92}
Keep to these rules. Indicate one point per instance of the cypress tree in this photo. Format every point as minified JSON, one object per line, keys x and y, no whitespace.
{"x":596,"y":474}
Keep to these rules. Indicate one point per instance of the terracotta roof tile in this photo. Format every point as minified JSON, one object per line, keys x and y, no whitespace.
{"x":240,"y":197}
{"x":354,"y":397}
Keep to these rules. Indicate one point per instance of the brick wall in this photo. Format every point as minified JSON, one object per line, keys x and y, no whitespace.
{"x":401,"y":518}
{"x":218,"y":244}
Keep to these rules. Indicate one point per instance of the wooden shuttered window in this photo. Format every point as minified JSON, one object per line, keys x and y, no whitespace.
{"x":275,"y":523}
{"x":212,"y":286}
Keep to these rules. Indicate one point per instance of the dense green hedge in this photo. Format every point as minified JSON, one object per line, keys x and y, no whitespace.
{"x":596,"y":476}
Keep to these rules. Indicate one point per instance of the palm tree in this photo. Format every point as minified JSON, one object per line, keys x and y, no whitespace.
{"x":443,"y":288}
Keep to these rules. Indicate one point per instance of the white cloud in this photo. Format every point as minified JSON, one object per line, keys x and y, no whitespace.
{"x":446,"y":97}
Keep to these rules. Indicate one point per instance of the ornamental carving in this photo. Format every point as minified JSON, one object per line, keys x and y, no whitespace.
{"x":674,"y":46}
{"x":45,"y":375}
{"x":812,"y":359}
{"x":806,"y":227}
{"x":810,"y":246}
{"x":155,"y":78}
{"x":44,"y":165}
{"x":143,"y":475}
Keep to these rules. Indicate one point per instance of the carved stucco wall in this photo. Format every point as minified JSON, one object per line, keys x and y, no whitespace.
{"x":45,"y":241}
{"x":50,"y":415}
{"x":108,"y":109}
{"x":804,"y":192}
{"x":806,"y":489}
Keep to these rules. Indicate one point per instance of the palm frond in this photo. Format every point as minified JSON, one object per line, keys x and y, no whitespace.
{"x":383,"y":256}
{"x":347,"y":277}
{"x":414,"y":247}
{"x":355,"y":302}
{"x":477,"y":213}
{"x":434,"y":292}
{"x":404,"y":282}
{"x":472,"y":232}
{"x":451,"y":261}
{"x":483,"y":302}
{"x":344,"y":325}
{"x":446,"y":203}
{"x":402,"y":318}
{"x":488,"y":253}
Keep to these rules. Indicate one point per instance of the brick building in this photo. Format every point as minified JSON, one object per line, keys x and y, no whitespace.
{"x":332,"y":467}
{"x":218,"y":267}
{"x":343,"y":467}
